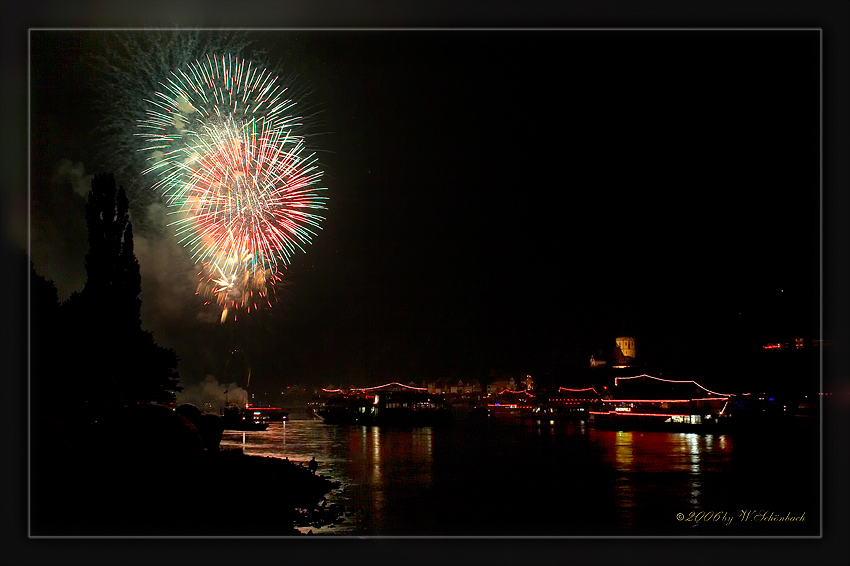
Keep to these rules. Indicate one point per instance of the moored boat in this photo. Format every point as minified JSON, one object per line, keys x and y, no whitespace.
{"x":645,"y":402}
{"x":391,"y":404}
{"x":248,"y":418}
{"x":567,"y":404}
{"x":510,"y":404}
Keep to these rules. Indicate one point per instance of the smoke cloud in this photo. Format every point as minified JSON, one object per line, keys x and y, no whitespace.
{"x":58,"y":239}
{"x":73,"y":174}
{"x":211,"y":396}
{"x":168,"y":275}
{"x":170,"y":308}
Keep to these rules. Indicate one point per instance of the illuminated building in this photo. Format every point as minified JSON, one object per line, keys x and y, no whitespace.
{"x":449,"y":386}
{"x":500,"y":384}
{"x":796,"y":344}
{"x":624,"y":352}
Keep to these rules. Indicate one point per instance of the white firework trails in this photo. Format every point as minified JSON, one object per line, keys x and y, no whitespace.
{"x":216,"y":94}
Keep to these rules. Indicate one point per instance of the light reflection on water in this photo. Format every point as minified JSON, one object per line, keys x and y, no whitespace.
{"x":365,"y":460}
{"x":655,"y":455}
{"x":469,"y":479}
{"x":663,"y":451}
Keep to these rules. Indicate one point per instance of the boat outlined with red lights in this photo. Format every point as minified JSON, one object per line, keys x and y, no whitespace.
{"x":393,"y":404}
{"x":647,"y":402}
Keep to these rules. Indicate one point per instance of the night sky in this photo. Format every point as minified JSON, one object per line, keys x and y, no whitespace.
{"x":499,"y":200}
{"x":507,"y":201}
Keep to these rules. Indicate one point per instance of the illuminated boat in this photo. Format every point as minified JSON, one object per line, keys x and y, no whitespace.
{"x":567,"y":404}
{"x":390,"y":404}
{"x":248,"y":418}
{"x":564,"y":405}
{"x":647,"y":402}
{"x":509,"y":404}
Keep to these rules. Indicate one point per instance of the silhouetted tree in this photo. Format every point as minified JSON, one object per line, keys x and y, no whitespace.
{"x":157,"y":368}
{"x":114,"y":280}
{"x":123,"y":363}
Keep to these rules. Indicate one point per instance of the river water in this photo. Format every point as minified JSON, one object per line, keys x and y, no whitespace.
{"x":493,"y":478}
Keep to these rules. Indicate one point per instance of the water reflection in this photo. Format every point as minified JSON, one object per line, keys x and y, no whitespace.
{"x":693,"y":441}
{"x":650,"y":464}
{"x":378,"y":493}
{"x":369,"y":462}
{"x":660,"y":451}
{"x":624,"y":450}
{"x":375,"y":433}
{"x":425,"y":481}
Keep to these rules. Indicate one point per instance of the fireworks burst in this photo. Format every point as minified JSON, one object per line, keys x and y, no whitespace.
{"x":203,"y":99}
{"x":221,"y":145}
{"x":128,"y":67}
{"x":237,"y":282}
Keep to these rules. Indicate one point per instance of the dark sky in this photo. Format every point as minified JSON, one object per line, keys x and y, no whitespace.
{"x":499,"y":200}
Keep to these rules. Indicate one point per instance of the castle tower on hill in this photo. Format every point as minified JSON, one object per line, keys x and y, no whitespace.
{"x":624,"y":352}
{"x":627,"y":346}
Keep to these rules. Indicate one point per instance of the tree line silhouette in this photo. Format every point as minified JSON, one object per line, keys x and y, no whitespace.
{"x":90,"y":353}
{"x":104,"y":436}
{"x":109,"y":453}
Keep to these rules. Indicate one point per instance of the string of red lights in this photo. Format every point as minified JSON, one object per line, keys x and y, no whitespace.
{"x":663,"y":400}
{"x":364,"y":389}
{"x":521,"y":392}
{"x":616,"y":379}
{"x":577,"y":390}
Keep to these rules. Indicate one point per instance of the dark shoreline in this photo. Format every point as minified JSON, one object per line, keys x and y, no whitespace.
{"x":218,"y":494}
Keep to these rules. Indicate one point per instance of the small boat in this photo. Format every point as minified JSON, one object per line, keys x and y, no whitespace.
{"x":250,"y":418}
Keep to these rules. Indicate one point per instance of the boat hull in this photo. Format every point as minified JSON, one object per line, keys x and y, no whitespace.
{"x":658,"y":423}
